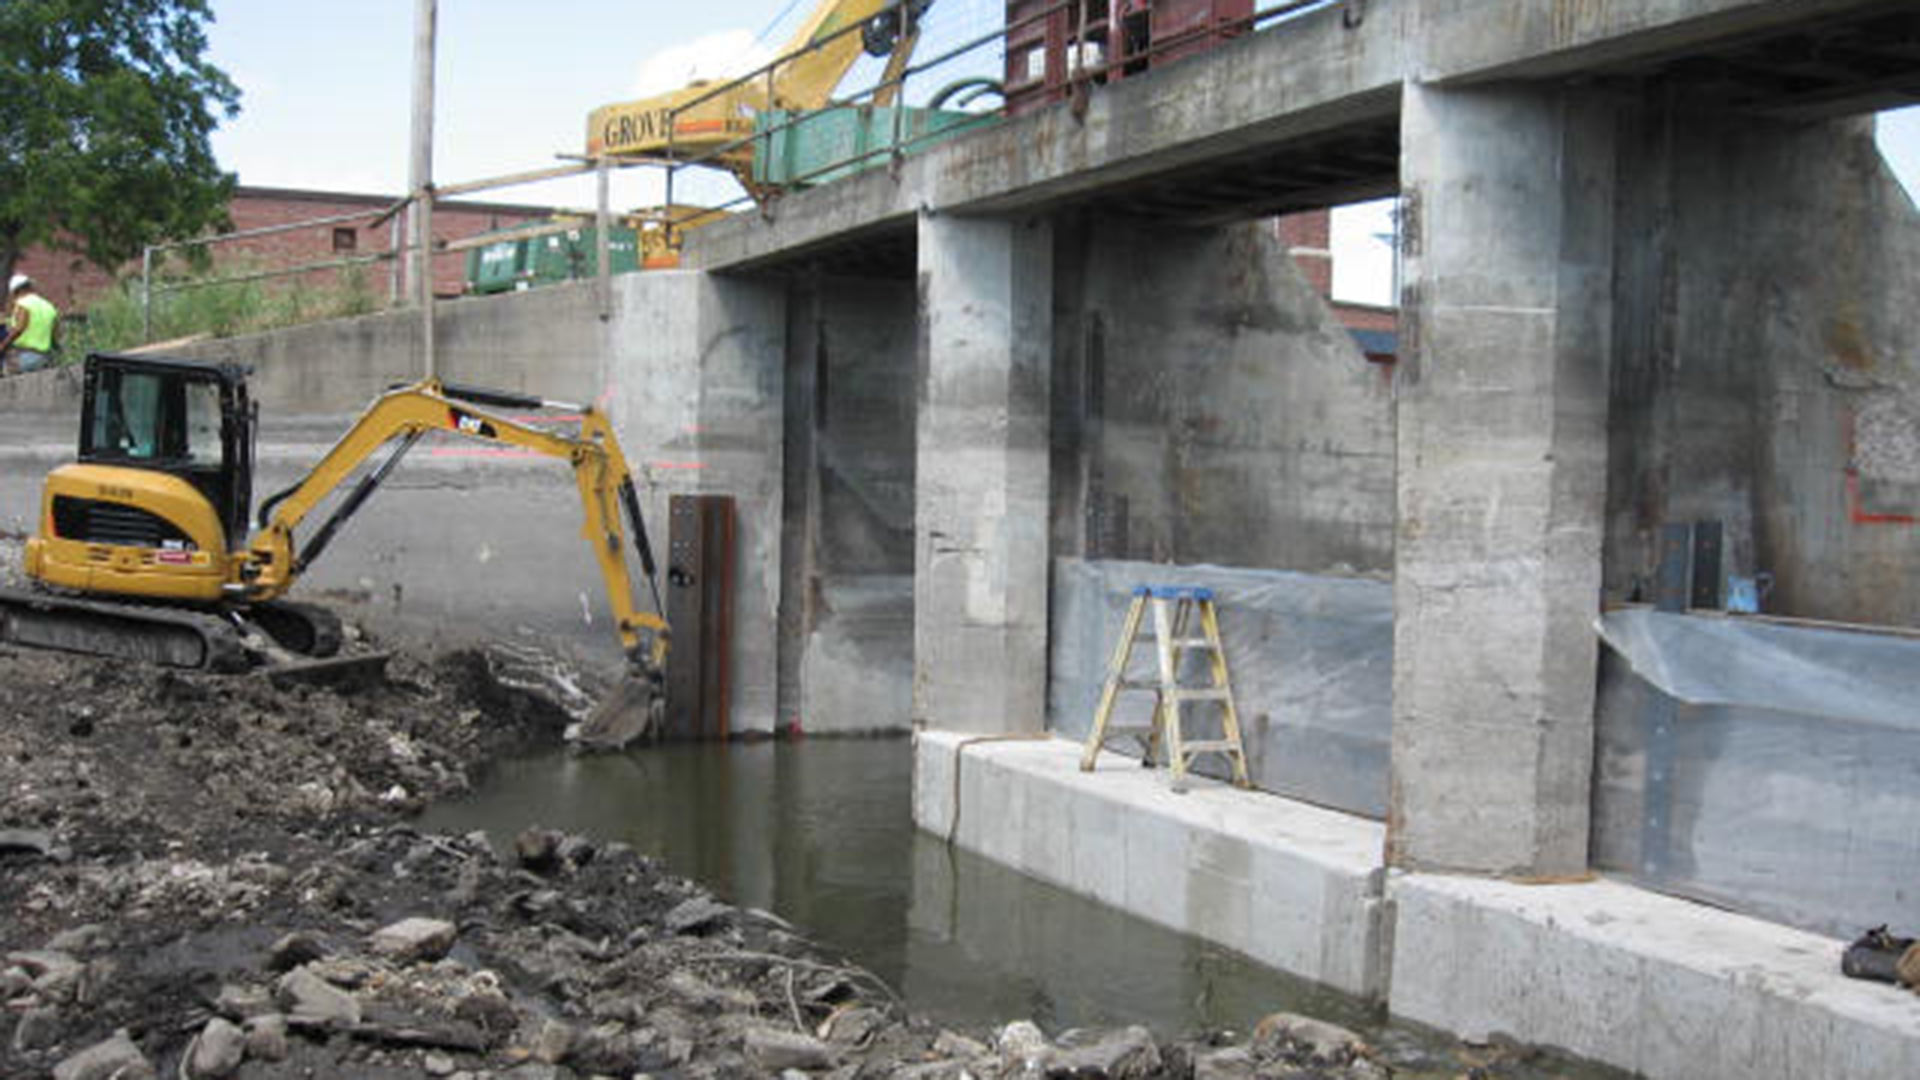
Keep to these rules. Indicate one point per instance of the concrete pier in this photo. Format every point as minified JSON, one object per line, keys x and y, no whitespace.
{"x":980,"y":527}
{"x":1502,"y":476}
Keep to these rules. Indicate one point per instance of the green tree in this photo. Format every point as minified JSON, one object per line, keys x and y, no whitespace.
{"x":106,"y":107}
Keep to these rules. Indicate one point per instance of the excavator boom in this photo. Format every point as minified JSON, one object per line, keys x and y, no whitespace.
{"x":399,"y":418}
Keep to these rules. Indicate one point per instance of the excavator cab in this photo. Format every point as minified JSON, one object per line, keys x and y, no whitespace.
{"x":189,"y":420}
{"x":164,"y":416}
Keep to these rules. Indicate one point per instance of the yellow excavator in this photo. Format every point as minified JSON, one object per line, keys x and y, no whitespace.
{"x":695,"y":121}
{"x":702,"y":122}
{"x":143,"y":549}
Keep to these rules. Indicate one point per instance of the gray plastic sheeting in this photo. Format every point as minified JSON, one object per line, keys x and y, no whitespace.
{"x":1311,"y":663}
{"x":1769,"y":768}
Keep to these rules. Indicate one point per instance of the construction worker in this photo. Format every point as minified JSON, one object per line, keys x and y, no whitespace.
{"x":28,"y":344}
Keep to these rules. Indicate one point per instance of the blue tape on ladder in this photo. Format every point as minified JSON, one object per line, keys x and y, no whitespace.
{"x":1174,"y":592}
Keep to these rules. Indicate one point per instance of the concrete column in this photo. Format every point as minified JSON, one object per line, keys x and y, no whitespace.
{"x":982,"y":470}
{"x":1502,"y":473}
{"x":694,"y":376}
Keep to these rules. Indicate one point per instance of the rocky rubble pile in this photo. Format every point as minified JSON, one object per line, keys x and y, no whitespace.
{"x":405,"y":954}
{"x":208,"y":877}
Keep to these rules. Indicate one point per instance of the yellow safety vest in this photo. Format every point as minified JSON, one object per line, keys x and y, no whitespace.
{"x":39,"y":334}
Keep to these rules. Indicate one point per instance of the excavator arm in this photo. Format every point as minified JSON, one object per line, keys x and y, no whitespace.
{"x":400,"y":418}
{"x":694,"y":121}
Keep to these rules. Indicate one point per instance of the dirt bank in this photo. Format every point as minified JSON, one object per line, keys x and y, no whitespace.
{"x":215,"y":876}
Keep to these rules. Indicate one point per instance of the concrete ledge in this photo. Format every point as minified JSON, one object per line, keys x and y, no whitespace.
{"x":1290,"y":885}
{"x":1666,"y":988}
{"x":1649,"y":983}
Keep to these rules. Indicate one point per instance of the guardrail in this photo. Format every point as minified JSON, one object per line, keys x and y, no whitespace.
{"x":889,"y":88}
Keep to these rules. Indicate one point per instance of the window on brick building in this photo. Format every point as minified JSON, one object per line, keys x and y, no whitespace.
{"x":345,"y":239}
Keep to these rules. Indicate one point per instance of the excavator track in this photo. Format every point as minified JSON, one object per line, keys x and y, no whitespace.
{"x":170,"y":637}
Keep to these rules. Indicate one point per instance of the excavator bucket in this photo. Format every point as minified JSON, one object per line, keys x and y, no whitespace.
{"x":634,"y":708}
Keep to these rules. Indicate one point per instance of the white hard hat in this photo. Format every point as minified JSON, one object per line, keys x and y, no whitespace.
{"x":20,"y":281}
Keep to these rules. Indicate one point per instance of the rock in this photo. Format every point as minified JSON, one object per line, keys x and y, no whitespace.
{"x":933,"y":1070}
{"x":538,"y":849}
{"x":953,"y":1045}
{"x":694,"y":990}
{"x":698,"y":914}
{"x":80,"y":939}
{"x":773,"y":1049}
{"x":217,"y":1051}
{"x":310,"y":999}
{"x":852,"y":1027}
{"x":1292,"y":1035}
{"x":267,"y":1037}
{"x":1022,"y":1045}
{"x":576,"y":850}
{"x":437,"y":1065}
{"x":1127,"y":1054}
{"x":31,"y":841}
{"x":413,"y":940}
{"x":1227,"y":1063}
{"x":1908,"y":969}
{"x":346,"y":972}
{"x":115,"y":1059}
{"x":56,"y":975}
{"x":242,"y":1002}
{"x":292,"y":950}
{"x":13,"y":983}
{"x":37,"y":1030}
{"x":553,"y":1042}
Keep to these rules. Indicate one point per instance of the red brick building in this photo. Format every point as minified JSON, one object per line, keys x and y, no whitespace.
{"x":1309,"y":239}
{"x":70,"y":281}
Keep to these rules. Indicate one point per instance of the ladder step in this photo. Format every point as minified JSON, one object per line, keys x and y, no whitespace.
{"x":1193,"y":643}
{"x":1207,"y":694}
{"x":1208,"y":745}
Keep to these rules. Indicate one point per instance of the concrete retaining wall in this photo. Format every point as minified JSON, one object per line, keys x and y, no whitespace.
{"x":1208,"y":408}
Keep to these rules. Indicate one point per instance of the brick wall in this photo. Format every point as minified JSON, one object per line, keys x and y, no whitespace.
{"x":70,"y":281}
{"x":1309,"y":239}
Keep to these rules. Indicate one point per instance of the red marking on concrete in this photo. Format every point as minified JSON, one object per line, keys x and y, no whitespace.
{"x":676,"y":465}
{"x":1856,"y":511}
{"x":1860,"y":515}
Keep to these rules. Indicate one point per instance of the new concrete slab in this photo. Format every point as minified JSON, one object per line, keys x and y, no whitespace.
{"x":1666,"y":988}
{"x":1291,"y":885}
{"x":1662,"y":986}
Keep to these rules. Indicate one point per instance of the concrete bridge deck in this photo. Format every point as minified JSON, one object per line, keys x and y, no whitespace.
{"x":1305,"y":112}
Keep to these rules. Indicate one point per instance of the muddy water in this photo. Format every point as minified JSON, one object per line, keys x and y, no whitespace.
{"x":820,"y":831}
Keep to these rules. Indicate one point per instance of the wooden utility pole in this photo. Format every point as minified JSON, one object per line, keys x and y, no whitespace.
{"x":420,"y":175}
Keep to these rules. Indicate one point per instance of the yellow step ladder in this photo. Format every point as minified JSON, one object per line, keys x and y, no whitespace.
{"x":1174,"y":608}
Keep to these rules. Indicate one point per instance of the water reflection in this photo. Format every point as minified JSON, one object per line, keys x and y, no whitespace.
{"x":820,"y":831}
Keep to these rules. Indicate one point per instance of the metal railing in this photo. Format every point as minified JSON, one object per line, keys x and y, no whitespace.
{"x":1082,"y":77}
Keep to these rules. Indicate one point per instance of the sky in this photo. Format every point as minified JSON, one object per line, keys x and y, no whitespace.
{"x":327,"y":100}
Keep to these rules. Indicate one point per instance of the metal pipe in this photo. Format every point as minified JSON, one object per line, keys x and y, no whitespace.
{"x":303,"y":268}
{"x":602,"y":245}
{"x":265,"y":230}
{"x":420,"y":174}
{"x":554,"y":172}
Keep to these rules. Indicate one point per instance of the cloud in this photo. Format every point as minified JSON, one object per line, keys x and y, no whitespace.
{"x":721,"y":55}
